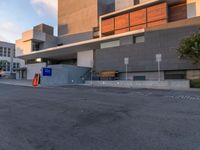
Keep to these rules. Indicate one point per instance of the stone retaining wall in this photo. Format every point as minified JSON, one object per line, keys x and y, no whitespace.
{"x":168,"y":84}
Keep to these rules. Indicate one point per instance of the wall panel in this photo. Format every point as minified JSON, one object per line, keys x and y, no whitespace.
{"x":156,"y":23}
{"x":138,"y":17}
{"x":138,"y":27}
{"x":108,"y":25}
{"x":76,"y":16}
{"x":177,"y":12}
{"x":121,"y":31}
{"x":122,"y":21}
{"x":157,"y":12}
{"x":136,"y":20}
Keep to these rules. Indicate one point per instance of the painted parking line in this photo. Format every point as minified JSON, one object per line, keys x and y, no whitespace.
{"x":183,"y":97}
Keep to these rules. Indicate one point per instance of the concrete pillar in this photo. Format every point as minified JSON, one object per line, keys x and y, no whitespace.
{"x":193,"y":8}
{"x":85,"y":58}
{"x":198,"y":7}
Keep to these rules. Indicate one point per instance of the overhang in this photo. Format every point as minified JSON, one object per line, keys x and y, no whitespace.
{"x":70,"y":50}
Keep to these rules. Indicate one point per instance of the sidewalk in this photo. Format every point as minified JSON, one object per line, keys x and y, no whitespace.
{"x":26,"y":83}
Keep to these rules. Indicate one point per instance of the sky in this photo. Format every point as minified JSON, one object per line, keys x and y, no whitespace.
{"x":17,"y":16}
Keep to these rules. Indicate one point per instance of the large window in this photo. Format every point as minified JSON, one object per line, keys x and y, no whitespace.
{"x":136,"y":2}
{"x":5,"y":52}
{"x":9,"y":52}
{"x":139,"y":39}
{"x":14,"y":53}
{"x":8,"y":66}
{"x":110,"y":44}
{"x":36,"y":46}
{"x":16,"y":66}
{"x":4,"y":66}
{"x":1,"y":51}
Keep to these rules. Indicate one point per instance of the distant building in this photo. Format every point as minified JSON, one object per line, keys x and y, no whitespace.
{"x":9,"y":63}
{"x":101,"y":33}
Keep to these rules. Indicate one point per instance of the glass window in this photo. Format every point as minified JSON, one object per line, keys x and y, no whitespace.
{"x":1,"y":51}
{"x":5,"y":52}
{"x":139,"y":39}
{"x":8,"y":67}
{"x":13,"y":52}
{"x":14,"y":65}
{"x":4,"y":66}
{"x":9,"y":52}
{"x":139,"y":78}
{"x":136,"y":2}
{"x":36,"y":46}
{"x":18,"y":65}
{"x":110,"y":44}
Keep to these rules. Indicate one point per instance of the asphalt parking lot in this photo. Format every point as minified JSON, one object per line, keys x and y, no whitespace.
{"x":85,"y":118}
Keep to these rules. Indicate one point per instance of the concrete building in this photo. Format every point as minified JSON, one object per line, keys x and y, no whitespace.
{"x":38,"y":38}
{"x":8,"y":62}
{"x":99,"y":34}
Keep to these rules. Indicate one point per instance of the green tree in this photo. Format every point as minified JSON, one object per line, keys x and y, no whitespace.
{"x":2,"y":63}
{"x":190,"y":48}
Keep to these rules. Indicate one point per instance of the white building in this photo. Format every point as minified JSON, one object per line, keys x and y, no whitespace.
{"x":8,"y":62}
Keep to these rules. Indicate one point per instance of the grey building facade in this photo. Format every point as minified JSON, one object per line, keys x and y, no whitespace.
{"x":142,"y":56}
{"x":99,"y":34}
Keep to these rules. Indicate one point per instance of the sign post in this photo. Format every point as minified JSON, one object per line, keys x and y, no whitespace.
{"x":126,"y":62}
{"x":159,"y":59}
{"x":92,"y":65}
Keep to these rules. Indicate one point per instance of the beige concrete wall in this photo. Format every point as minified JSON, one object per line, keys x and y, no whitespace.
{"x":28,"y":35}
{"x":193,"y":74}
{"x":23,"y":48}
{"x":85,"y":58}
{"x":33,"y":35}
{"x":76,"y":16}
{"x":32,"y":69}
{"x":24,"y":45}
{"x":145,"y":1}
{"x":121,"y":4}
{"x":193,"y":8}
{"x":198,"y":7}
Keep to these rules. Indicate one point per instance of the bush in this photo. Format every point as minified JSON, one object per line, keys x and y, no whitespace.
{"x":190,"y":48}
{"x":195,"y":83}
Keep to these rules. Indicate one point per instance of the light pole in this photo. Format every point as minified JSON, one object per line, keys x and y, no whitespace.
{"x":11,"y":59}
{"x":126,"y":62}
{"x":92,"y":65}
{"x":159,"y":59}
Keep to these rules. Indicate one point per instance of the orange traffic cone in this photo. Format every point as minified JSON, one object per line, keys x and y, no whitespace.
{"x":35,"y":82}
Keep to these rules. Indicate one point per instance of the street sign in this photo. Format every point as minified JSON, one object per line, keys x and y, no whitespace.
{"x":158,"y":57}
{"x":47,"y":72}
{"x":126,"y":60}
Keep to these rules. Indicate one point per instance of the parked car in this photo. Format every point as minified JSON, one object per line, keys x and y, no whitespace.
{"x":2,"y":73}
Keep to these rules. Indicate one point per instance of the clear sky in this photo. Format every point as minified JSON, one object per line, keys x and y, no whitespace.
{"x":17,"y":16}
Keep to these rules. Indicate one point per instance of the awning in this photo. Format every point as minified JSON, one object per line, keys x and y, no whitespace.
{"x":70,"y":50}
